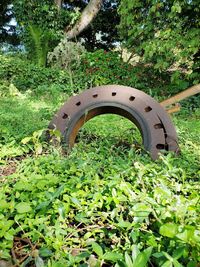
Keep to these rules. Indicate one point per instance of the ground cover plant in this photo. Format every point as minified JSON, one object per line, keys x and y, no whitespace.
{"x":105,"y":204}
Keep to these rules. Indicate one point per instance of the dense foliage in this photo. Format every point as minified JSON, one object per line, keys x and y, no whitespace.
{"x":41,"y":25}
{"x":94,"y":68}
{"x":101,"y":34}
{"x":47,"y":16}
{"x":164,"y":33}
{"x":105,"y":204}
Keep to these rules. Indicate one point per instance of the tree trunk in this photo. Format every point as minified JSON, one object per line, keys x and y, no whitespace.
{"x":88,"y":14}
{"x":58,"y":3}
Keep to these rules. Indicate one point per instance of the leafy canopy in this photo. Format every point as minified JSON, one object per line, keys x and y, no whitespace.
{"x":165,"y":33}
{"x":41,"y":25}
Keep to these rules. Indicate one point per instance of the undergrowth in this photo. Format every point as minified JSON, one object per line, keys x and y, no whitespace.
{"x":106,"y":203}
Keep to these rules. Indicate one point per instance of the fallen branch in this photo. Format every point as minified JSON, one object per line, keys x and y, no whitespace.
{"x":178,"y":97}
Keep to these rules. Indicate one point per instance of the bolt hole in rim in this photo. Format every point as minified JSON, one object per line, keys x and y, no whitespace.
{"x":148,"y":109}
{"x":78,"y":103}
{"x":158,"y":126}
{"x":147,"y":114}
{"x":161,"y":146}
{"x":65,"y":116}
{"x":131,"y":98}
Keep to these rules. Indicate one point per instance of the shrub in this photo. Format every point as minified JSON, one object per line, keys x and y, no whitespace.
{"x":67,"y":55}
{"x":94,"y":69}
{"x":102,"y":67}
{"x":26,"y":75}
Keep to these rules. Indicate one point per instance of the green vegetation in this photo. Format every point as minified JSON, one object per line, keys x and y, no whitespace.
{"x":94,"y":69}
{"x":105,"y":204}
{"x":164,"y":33}
{"x":41,"y":26}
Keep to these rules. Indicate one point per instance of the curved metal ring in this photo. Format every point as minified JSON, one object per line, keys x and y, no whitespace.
{"x":152,"y":120}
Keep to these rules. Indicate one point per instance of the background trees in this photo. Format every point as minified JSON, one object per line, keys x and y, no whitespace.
{"x":102,"y":32}
{"x":44,"y":23}
{"x":164,"y":33}
{"x":41,"y":26}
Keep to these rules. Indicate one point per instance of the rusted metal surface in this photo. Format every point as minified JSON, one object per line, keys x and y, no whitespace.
{"x":152,"y":120}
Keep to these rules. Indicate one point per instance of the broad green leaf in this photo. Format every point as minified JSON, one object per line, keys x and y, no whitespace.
{"x":135,"y":252}
{"x":97,"y":249}
{"x":141,"y":212}
{"x":23,"y":185}
{"x":8,"y":235}
{"x":57,"y":192}
{"x":187,"y":235}
{"x":83,"y":255}
{"x":38,"y":134}
{"x":176,"y":263}
{"x":168,"y":256}
{"x":112,"y":256}
{"x":178,"y":252}
{"x":169,"y":230}
{"x":56,"y":133}
{"x":141,"y":260}
{"x":124,"y":224}
{"x":167,"y":264}
{"x":43,"y":205}
{"x":26,"y":140}
{"x":76,"y":201}
{"x":45,"y":252}
{"x":148,"y":252}
{"x":192,"y":264}
{"x":27,"y":261}
{"x":23,"y":207}
{"x":157,"y":255}
{"x":128,"y":260}
{"x":39,"y":262}
{"x":3,"y":204}
{"x":87,"y":235}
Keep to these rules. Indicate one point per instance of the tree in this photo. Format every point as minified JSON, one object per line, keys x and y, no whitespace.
{"x":164,"y":33}
{"x":43,"y":23}
{"x":87,"y":16}
{"x":102,"y":33}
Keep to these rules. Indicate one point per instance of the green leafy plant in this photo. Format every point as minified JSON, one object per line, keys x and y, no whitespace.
{"x":105,"y":203}
{"x":35,"y":140}
{"x":41,"y":26}
{"x":163,"y":35}
{"x":67,"y":55}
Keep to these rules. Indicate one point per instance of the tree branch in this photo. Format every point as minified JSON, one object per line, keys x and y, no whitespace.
{"x":87,"y":16}
{"x":58,"y":3}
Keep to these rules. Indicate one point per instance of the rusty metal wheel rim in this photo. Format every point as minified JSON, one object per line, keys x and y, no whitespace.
{"x":152,"y":120}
